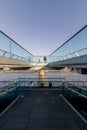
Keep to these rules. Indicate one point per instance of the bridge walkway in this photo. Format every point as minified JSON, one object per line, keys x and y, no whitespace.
{"x":40,"y":110}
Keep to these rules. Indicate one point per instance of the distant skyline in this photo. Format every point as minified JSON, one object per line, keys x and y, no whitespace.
{"x":41,"y":26}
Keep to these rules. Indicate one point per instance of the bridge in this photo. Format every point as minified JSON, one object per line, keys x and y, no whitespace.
{"x":72,"y":54}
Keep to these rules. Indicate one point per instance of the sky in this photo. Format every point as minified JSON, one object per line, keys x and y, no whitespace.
{"x":41,"y":26}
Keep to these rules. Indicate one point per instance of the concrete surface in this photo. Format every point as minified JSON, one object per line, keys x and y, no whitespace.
{"x":40,"y":110}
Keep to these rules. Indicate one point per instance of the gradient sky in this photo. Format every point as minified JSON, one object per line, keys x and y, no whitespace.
{"x":41,"y":26}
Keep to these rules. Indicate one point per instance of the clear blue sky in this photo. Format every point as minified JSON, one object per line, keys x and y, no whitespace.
{"x":40,"y":26}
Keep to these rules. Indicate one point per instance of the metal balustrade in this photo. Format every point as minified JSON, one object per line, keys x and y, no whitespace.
{"x":40,"y":82}
{"x":76,"y":94}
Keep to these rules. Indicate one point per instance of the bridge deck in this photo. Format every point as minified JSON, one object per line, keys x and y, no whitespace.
{"x":40,"y":110}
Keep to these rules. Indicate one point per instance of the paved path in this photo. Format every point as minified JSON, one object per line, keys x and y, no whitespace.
{"x":40,"y":110}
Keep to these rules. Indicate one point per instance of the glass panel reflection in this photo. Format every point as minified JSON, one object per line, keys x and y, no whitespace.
{"x":10,"y":49}
{"x":74,"y":47}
